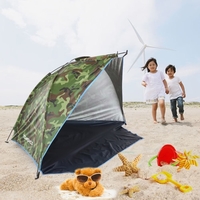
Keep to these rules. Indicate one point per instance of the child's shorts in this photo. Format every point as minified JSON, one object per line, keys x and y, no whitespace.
{"x":153,"y":101}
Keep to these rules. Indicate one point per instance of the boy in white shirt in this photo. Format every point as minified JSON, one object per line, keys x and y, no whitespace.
{"x":176,"y":92}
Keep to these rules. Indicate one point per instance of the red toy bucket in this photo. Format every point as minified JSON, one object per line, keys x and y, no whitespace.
{"x":166,"y":155}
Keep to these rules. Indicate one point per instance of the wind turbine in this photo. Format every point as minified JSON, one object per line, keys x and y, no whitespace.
{"x":143,"y":48}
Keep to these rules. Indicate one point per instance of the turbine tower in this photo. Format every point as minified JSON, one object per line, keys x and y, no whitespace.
{"x":143,"y":48}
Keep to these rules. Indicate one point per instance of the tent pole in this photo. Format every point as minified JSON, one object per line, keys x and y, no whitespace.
{"x":9,"y":136}
{"x":37,"y":173}
{"x":58,"y":68}
{"x":125,"y":53}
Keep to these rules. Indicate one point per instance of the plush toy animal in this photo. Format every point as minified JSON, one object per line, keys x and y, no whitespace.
{"x":86,"y":182}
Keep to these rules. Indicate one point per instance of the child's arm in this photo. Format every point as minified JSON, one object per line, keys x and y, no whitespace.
{"x":166,"y":86}
{"x":144,"y":83}
{"x":183,"y":89}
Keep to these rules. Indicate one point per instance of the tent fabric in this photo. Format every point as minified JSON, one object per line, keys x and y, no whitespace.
{"x":90,"y":149}
{"x":74,"y":116}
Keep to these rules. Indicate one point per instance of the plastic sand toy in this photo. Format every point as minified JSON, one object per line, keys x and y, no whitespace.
{"x":168,"y":178}
{"x":166,"y":155}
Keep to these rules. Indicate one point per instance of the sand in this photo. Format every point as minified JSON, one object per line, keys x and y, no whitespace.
{"x":18,"y":171}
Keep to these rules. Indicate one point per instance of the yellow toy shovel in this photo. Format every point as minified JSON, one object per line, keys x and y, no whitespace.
{"x":182,"y":188}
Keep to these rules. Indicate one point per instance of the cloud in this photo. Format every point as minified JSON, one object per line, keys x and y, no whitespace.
{"x":86,"y":26}
{"x":189,"y":70}
{"x":16,"y":84}
{"x":14,"y":16}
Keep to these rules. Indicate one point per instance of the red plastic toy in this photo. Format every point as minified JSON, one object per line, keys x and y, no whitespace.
{"x":166,"y":155}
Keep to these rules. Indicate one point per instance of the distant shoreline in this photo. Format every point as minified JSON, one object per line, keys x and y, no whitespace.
{"x":125,"y":104}
{"x":139,"y":104}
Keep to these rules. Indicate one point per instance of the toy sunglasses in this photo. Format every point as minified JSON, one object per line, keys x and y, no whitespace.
{"x":83,"y":178}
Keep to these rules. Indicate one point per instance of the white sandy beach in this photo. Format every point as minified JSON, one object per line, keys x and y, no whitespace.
{"x":18,"y":171}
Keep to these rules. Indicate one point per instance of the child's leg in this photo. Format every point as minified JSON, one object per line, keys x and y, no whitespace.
{"x":154,"y":110}
{"x":181,"y":116}
{"x":181,"y":107}
{"x":162,"y":108}
{"x":173,"y":109}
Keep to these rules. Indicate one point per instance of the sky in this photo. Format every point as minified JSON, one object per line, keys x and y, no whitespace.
{"x":38,"y":36}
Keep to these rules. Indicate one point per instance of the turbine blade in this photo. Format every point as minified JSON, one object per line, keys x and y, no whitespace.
{"x":160,"y":48}
{"x":140,"y":39}
{"x":144,"y":57}
{"x":143,"y":48}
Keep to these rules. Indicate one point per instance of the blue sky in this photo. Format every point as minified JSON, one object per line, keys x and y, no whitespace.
{"x":37,"y":36}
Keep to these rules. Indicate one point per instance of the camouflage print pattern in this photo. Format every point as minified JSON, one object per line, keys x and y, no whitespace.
{"x":51,"y":101}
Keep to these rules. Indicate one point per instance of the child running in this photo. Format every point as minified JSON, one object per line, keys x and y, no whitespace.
{"x":155,"y":88}
{"x":176,"y":92}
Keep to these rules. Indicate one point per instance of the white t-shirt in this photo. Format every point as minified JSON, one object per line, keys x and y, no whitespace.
{"x":155,"y":87}
{"x":175,"y":90}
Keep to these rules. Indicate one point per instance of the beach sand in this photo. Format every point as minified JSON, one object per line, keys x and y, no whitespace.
{"x":18,"y":171}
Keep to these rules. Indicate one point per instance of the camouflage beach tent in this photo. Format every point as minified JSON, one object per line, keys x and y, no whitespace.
{"x":73,"y":118}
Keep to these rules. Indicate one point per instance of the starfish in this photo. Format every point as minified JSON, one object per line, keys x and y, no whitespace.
{"x":130,"y":190}
{"x":128,"y":167}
